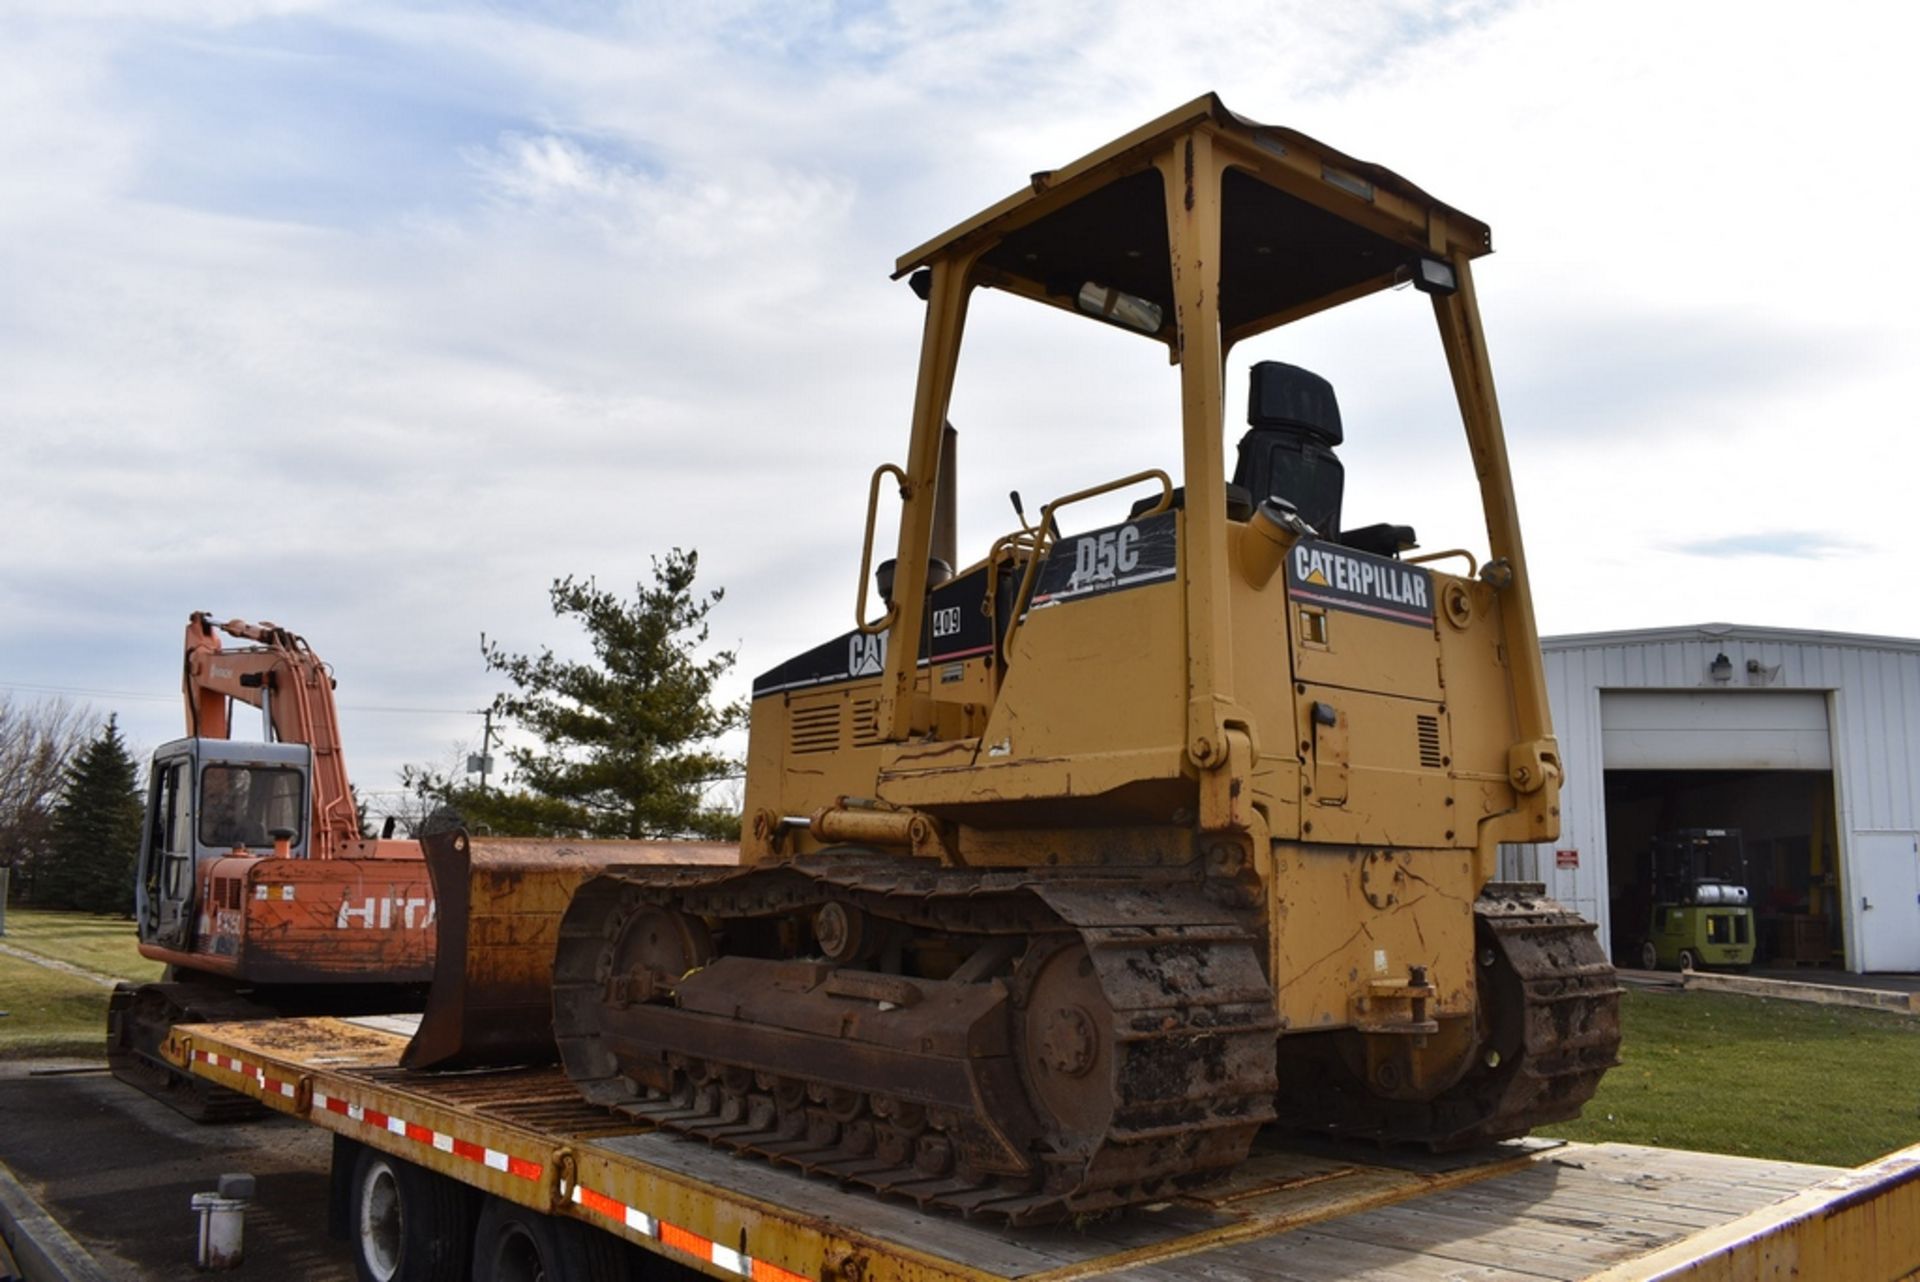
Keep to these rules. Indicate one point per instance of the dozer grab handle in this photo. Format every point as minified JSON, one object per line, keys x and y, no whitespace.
{"x":1473,"y":565}
{"x":885,"y":621}
{"x":1044,"y":531}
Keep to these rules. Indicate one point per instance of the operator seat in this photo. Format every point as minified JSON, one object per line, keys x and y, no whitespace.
{"x":1287,"y":453}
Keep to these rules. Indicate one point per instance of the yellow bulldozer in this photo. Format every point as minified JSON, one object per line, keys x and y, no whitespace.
{"x":1068,"y":868}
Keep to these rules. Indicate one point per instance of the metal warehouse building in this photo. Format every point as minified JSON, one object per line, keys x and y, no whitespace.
{"x":1808,"y":743}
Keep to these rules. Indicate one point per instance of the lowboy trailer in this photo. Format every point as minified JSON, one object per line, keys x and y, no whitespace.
{"x":510,"y":1173}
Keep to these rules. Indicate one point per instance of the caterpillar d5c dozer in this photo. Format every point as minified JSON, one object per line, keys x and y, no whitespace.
{"x":1067,"y":870}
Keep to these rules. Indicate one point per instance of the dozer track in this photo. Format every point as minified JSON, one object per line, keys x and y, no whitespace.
{"x":1087,"y":1044}
{"x":138,"y":1017}
{"x":1550,"y":1011}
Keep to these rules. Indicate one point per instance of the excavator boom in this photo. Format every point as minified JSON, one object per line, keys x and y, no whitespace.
{"x":281,"y":675}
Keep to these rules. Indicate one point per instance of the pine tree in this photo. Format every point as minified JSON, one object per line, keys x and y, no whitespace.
{"x":95,"y":838}
{"x":625,"y":739}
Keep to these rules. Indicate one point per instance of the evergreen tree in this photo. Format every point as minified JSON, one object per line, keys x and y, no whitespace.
{"x":95,"y":837}
{"x":626,"y":738}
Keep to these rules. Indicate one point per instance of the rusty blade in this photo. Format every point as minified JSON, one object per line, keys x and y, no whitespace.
{"x":498,"y":903}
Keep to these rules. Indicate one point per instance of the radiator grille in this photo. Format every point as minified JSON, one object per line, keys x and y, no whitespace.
{"x":815,"y":729}
{"x":866,"y":722}
{"x":1428,"y":731}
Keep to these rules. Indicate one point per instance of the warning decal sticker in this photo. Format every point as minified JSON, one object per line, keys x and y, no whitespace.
{"x":1339,"y":578}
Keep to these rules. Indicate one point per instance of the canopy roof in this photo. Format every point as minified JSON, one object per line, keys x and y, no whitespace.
{"x":1303,"y":227}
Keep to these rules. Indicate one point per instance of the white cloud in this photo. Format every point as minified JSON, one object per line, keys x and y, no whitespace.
{"x":374,"y":319}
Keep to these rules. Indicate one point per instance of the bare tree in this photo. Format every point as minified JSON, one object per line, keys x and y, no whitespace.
{"x":37,"y":743}
{"x":415,"y":801}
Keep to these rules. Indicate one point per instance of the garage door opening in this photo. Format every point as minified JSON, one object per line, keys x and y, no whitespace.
{"x":1787,"y":835}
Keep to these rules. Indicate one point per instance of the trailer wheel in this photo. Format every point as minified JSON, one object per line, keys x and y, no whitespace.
{"x":407,"y":1224}
{"x":514,"y":1244}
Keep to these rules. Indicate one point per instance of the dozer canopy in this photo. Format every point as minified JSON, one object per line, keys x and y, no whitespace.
{"x":1303,"y":227}
{"x":1200,"y":229}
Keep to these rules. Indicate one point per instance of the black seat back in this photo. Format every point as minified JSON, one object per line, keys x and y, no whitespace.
{"x":1288,"y":451}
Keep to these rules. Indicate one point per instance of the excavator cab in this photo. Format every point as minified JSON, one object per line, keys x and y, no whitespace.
{"x":208,"y":800}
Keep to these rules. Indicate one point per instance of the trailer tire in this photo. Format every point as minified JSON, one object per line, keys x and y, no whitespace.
{"x":514,"y":1244}
{"x":407,"y":1224}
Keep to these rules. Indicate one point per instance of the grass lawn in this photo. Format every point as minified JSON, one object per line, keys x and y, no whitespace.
{"x":51,"y":1012}
{"x":1758,"y":1077}
{"x":104,"y":944}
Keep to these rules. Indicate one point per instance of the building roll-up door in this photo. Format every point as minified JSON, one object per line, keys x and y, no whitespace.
{"x":1715,"y":730}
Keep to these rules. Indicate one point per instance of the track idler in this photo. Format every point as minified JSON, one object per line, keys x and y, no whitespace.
{"x":1088,"y":1047}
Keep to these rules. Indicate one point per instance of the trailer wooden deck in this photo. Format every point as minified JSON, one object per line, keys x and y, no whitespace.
{"x":1296,"y":1211}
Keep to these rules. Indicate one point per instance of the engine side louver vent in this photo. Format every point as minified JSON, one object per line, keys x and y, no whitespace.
{"x":815,"y":729}
{"x":866,"y":722}
{"x":1428,"y":730}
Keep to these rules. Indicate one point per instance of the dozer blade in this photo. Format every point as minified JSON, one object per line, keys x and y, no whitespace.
{"x":498,"y":903}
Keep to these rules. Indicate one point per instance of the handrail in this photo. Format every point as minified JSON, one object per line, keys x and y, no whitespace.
{"x":866,"y":556}
{"x":1011,"y":546}
{"x":1043,"y":534}
{"x":1473,"y":566}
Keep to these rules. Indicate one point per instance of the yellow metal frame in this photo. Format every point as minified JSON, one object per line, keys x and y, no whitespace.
{"x":1859,"y":1226}
{"x":772,"y":1234}
{"x":1193,"y":147}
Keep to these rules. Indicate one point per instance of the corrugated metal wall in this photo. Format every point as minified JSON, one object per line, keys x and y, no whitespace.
{"x":1874,"y":693}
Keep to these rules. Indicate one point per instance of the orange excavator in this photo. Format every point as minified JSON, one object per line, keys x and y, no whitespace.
{"x":258,"y":890}
{"x":255,"y":884}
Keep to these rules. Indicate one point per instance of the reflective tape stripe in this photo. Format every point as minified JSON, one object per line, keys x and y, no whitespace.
{"x":764,"y":1272}
{"x":266,"y":1082}
{"x":682,"y":1240}
{"x":631,"y":1218}
{"x":492,"y":1158}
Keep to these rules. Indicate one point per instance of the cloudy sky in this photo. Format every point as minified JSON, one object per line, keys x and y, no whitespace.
{"x":373,"y":318}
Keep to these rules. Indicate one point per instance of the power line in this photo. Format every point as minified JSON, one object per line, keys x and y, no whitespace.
{"x":85,"y":692}
{"x":96,"y":694}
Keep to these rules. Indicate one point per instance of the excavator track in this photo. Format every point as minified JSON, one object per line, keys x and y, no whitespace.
{"x":1096,"y":1043}
{"x":1550,"y":1006}
{"x":138,"y":1017}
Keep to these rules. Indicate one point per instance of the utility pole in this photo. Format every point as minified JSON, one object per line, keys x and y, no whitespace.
{"x":481,"y":762}
{"x":486,"y":748}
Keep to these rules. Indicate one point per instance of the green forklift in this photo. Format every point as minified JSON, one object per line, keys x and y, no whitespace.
{"x":1699,"y":917}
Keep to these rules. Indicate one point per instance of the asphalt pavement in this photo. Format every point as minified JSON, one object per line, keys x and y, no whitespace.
{"x":119,"y":1170}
